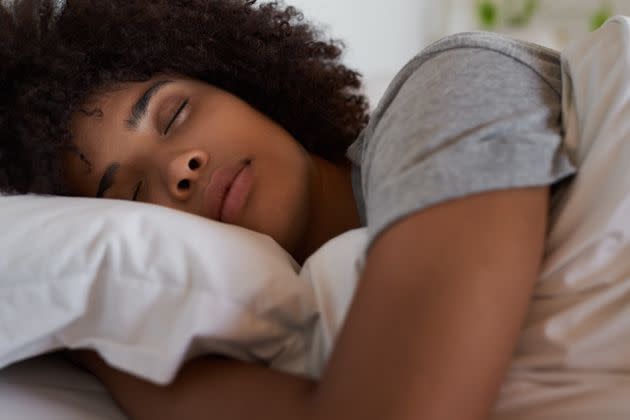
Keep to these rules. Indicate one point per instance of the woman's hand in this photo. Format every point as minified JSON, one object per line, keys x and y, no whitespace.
{"x":209,"y":387}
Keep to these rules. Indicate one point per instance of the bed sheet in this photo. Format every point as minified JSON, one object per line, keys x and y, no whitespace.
{"x":51,"y":388}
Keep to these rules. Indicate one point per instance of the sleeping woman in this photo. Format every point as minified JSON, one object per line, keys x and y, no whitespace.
{"x":243,"y":112}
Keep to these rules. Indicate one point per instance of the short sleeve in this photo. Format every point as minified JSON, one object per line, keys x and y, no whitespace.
{"x":465,"y":121}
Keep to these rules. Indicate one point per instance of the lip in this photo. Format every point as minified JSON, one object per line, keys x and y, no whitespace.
{"x":216,"y":193}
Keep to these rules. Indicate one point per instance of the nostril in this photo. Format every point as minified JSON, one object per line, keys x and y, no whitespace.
{"x":193,"y":164}
{"x":184,"y":184}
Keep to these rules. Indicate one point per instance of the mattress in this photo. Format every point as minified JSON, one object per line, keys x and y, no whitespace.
{"x":51,"y":388}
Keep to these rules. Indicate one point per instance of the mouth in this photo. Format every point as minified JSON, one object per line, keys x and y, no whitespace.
{"x":228,"y":190}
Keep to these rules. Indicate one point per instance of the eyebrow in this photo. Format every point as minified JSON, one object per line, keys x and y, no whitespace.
{"x":139,"y":109}
{"x":138,"y":112}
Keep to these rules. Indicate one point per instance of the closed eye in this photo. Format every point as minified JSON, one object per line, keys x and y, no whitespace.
{"x":179,"y":110}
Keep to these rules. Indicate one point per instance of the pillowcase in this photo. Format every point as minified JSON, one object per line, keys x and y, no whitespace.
{"x":146,"y":286}
{"x":589,"y":240}
{"x":333,"y":271}
{"x":572,"y":358}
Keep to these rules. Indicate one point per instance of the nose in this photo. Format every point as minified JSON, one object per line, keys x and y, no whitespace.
{"x":183,"y":171}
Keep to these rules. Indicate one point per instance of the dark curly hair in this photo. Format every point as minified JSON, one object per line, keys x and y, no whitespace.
{"x":54,"y":57}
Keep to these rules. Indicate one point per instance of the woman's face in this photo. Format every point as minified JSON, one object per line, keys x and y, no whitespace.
{"x":187,"y":145}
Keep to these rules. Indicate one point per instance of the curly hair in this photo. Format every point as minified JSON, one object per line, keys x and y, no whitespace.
{"x":54,"y":57}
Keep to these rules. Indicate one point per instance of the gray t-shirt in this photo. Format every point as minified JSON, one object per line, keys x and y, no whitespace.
{"x":472,"y":112}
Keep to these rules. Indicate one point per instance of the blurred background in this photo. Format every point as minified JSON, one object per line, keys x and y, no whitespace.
{"x":382,"y":35}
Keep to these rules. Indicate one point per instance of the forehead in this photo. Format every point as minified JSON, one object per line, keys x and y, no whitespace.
{"x":104,"y":106}
{"x":98,"y":133}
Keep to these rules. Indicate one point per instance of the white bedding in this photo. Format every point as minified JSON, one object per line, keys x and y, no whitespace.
{"x":50,"y":388}
{"x":573,"y":356}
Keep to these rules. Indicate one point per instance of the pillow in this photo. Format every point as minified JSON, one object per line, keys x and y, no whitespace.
{"x":146,"y":286}
{"x":589,"y":240}
{"x":572,"y":358}
{"x":333,"y":271}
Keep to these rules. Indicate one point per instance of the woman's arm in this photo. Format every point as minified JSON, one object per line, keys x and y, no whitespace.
{"x":430,"y":332}
{"x":205,"y":388}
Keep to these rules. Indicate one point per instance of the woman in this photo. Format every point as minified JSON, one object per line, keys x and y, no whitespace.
{"x":240,"y":113}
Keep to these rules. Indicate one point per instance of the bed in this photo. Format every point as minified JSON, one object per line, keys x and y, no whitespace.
{"x":48,"y":387}
{"x":571,"y":361}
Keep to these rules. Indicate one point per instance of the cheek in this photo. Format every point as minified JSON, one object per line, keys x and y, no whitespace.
{"x":284,"y":186}
{"x":279,"y":206}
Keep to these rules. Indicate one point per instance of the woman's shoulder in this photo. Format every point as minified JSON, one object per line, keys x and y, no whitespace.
{"x":477,"y":53}
{"x":445,"y":69}
{"x":491,"y":41}
{"x":471,"y":113}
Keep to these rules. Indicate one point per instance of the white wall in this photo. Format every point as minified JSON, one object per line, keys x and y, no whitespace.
{"x":380,"y":35}
{"x":555,"y":23}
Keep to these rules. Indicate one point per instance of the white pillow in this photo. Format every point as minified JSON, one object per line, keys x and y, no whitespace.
{"x":589,"y":241}
{"x":573,"y":360}
{"x":333,"y":271}
{"x":146,"y":286}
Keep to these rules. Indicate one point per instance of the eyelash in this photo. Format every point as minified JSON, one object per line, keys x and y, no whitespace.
{"x":135,"y":194}
{"x":179,"y":110}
